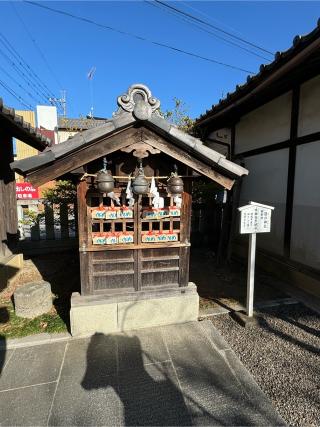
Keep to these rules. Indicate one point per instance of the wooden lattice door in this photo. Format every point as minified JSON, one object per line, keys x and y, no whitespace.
{"x":126,"y":250}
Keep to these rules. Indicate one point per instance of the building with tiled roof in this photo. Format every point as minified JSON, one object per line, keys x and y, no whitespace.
{"x":271,"y":125}
{"x":12,"y":125}
{"x":70,"y":126}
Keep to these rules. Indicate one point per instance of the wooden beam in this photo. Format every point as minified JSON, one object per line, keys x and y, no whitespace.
{"x":177,"y":153}
{"x":83,"y":156}
{"x":291,"y":170}
{"x":140,"y":149}
{"x":299,"y":140}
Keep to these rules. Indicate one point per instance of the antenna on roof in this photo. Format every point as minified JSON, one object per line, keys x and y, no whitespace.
{"x":90,"y":78}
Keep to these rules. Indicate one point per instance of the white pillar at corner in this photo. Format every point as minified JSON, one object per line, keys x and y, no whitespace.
{"x":250,"y":278}
{"x":254,"y":218}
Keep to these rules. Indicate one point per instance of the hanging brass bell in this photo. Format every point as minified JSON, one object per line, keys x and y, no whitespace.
{"x":104,"y":182}
{"x":175,"y":184}
{"x":140,"y":184}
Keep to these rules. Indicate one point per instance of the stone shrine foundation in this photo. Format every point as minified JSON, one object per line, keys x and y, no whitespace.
{"x":91,"y":314}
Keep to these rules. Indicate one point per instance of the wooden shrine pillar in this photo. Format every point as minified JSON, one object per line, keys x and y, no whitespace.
{"x":8,"y":203}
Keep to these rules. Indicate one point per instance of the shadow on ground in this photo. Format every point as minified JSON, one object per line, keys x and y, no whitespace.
{"x":155,"y":400}
{"x":174,"y":375}
{"x":4,"y":317}
{"x":63,"y":273}
{"x":225,"y":285}
{"x":134,"y":379}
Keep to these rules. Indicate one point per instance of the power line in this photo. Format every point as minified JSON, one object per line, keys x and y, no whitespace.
{"x":53,"y":99}
{"x":208,"y":16}
{"x":27,"y":80}
{"x":213,"y":26}
{"x":189,"y":21}
{"x":37,"y":47}
{"x":18,"y":84}
{"x":32,"y":78}
{"x":23,"y":64}
{"x":15,"y":95}
{"x":175,"y":49}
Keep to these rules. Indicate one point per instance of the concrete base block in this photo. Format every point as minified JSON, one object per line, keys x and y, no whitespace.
{"x":88,"y":319}
{"x":89,"y":316}
{"x":245,"y":321}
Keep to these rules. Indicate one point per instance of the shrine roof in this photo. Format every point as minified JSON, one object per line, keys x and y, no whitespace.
{"x":136,"y":108}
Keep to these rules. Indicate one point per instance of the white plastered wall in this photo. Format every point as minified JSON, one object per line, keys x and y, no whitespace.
{"x":63,"y":135}
{"x":264,"y":126}
{"x":309,"y":107}
{"x":305,"y":237}
{"x":222,"y":149}
{"x":47,"y":118}
{"x":267,"y":183}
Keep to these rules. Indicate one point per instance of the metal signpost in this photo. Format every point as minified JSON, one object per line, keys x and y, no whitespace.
{"x":254,"y":218}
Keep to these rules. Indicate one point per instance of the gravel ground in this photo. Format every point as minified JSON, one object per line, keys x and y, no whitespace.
{"x":283,"y":355}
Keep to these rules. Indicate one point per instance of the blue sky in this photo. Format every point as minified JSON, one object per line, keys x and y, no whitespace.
{"x":71,"y":48}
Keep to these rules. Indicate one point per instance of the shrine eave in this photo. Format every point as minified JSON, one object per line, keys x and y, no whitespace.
{"x":137,"y":109}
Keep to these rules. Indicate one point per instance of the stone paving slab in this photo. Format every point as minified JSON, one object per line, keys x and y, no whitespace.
{"x":36,"y":339}
{"x":130,"y":345}
{"x":32,"y":365}
{"x":5,"y":356}
{"x":28,"y":406}
{"x":92,"y":357}
{"x":172,"y":375}
{"x":93,"y":403}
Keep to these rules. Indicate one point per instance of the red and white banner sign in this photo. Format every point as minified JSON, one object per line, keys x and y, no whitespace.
{"x":24,"y":190}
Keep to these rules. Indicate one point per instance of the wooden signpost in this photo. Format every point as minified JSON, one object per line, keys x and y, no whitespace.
{"x":254,"y":218}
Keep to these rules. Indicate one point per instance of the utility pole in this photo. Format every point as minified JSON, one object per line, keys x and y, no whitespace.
{"x":62,"y":101}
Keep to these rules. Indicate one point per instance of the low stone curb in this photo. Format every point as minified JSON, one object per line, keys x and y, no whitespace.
{"x":32,"y":340}
{"x":216,"y":311}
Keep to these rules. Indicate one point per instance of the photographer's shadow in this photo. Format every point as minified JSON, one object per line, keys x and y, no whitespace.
{"x":147,"y":389}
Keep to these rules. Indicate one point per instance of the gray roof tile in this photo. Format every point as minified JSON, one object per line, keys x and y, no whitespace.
{"x":80,"y":123}
{"x":22,"y":129}
{"x":280,"y":58}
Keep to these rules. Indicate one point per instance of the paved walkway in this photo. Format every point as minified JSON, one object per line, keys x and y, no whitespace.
{"x":173,"y":375}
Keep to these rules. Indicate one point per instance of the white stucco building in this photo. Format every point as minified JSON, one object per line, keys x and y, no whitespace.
{"x":274,"y":123}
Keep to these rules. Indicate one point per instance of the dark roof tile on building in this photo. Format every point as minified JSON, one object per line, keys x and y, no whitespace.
{"x":21,"y":129}
{"x":299,"y":44}
{"x":80,"y":123}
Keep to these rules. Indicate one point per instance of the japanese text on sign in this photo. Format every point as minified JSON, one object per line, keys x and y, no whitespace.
{"x":255,"y":219}
{"x":25,"y":190}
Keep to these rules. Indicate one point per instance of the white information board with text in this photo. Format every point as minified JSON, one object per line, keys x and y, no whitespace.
{"x":254,"y":218}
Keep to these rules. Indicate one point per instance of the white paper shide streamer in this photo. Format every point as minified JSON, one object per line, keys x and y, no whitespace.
{"x":177,"y":201}
{"x":114,"y":197}
{"x":157,"y":201}
{"x":129,"y":194}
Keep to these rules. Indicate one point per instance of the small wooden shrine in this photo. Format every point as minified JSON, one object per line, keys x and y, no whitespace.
{"x":134,"y":179}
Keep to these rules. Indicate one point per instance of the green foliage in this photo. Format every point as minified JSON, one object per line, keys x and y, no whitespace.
{"x":179,"y":116}
{"x":63,"y":192}
{"x":15,"y":327}
{"x":31,"y":218}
